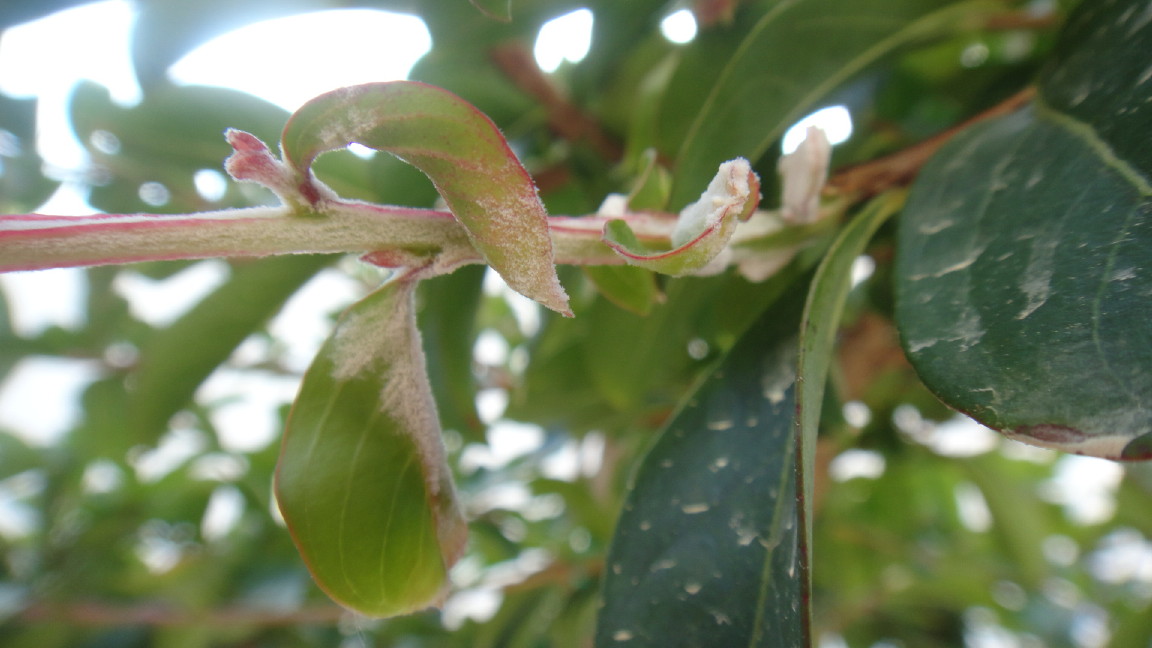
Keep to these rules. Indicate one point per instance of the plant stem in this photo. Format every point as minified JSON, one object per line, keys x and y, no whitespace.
{"x":36,"y":242}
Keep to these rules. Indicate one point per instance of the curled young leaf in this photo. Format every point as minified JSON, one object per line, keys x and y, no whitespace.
{"x":460,"y":150}
{"x":362,"y":479}
{"x":703,"y":229}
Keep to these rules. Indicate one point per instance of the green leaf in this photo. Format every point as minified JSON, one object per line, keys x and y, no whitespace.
{"x":1023,"y":280}
{"x":463,"y":153}
{"x":631,"y":288}
{"x":822,"y":314}
{"x":653,"y":185}
{"x":776,"y":76}
{"x":703,"y":229}
{"x":362,"y":480}
{"x":705,"y":552}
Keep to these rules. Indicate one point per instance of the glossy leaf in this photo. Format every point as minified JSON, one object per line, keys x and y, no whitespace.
{"x":821,"y":321}
{"x":1024,"y":288}
{"x":362,"y":480}
{"x":463,"y":153}
{"x":703,"y":229}
{"x":705,"y":552}
{"x":776,"y":76}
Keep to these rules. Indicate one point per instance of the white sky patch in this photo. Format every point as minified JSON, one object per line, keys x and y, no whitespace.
{"x":679,"y":27}
{"x":856,"y":463}
{"x":224,"y":511}
{"x":566,"y":38}
{"x":174,"y":449}
{"x":344,"y":47}
{"x":40,"y":399}
{"x":527,"y":312}
{"x":210,"y":184}
{"x":45,"y":298}
{"x":1086,"y":487}
{"x":836,"y":122}
{"x":65,"y":49}
{"x":247,"y":402}
{"x":161,"y":302}
{"x":305,"y":321}
{"x":972,"y":508}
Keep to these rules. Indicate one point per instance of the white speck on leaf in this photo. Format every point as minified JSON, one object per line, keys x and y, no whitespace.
{"x":1037,"y":279}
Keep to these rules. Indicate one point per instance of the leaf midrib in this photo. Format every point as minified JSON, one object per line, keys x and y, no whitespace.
{"x":1088,"y":135}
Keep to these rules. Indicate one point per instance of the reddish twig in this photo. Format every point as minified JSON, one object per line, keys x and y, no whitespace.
{"x":901,"y":167}
{"x":564,"y":118}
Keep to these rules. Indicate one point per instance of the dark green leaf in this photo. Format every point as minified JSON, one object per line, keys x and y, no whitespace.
{"x":362,"y":480}
{"x":1023,"y":284}
{"x":776,"y":76}
{"x":705,"y":552}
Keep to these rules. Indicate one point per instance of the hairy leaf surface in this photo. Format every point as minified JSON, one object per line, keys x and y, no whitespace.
{"x":362,"y":480}
{"x":463,"y":153}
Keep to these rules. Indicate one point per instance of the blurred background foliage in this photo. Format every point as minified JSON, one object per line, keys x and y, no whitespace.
{"x":150,"y":521}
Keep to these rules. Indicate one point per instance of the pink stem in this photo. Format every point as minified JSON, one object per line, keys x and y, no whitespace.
{"x":36,"y":242}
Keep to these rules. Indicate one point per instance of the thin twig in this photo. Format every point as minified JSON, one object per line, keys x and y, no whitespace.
{"x":564,"y":118}
{"x":901,"y":167}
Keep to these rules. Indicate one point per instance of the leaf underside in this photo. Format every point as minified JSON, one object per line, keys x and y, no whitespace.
{"x":1025,"y":271}
{"x":362,"y":481}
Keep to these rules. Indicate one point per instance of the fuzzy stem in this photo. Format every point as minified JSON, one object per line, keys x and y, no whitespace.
{"x":36,"y":242}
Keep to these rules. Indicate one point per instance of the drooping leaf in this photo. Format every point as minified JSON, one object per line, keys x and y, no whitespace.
{"x":362,"y":480}
{"x":705,"y":552}
{"x":463,"y":153}
{"x":776,"y":76}
{"x":703,"y":229}
{"x":1024,"y":291}
{"x":822,"y":314}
